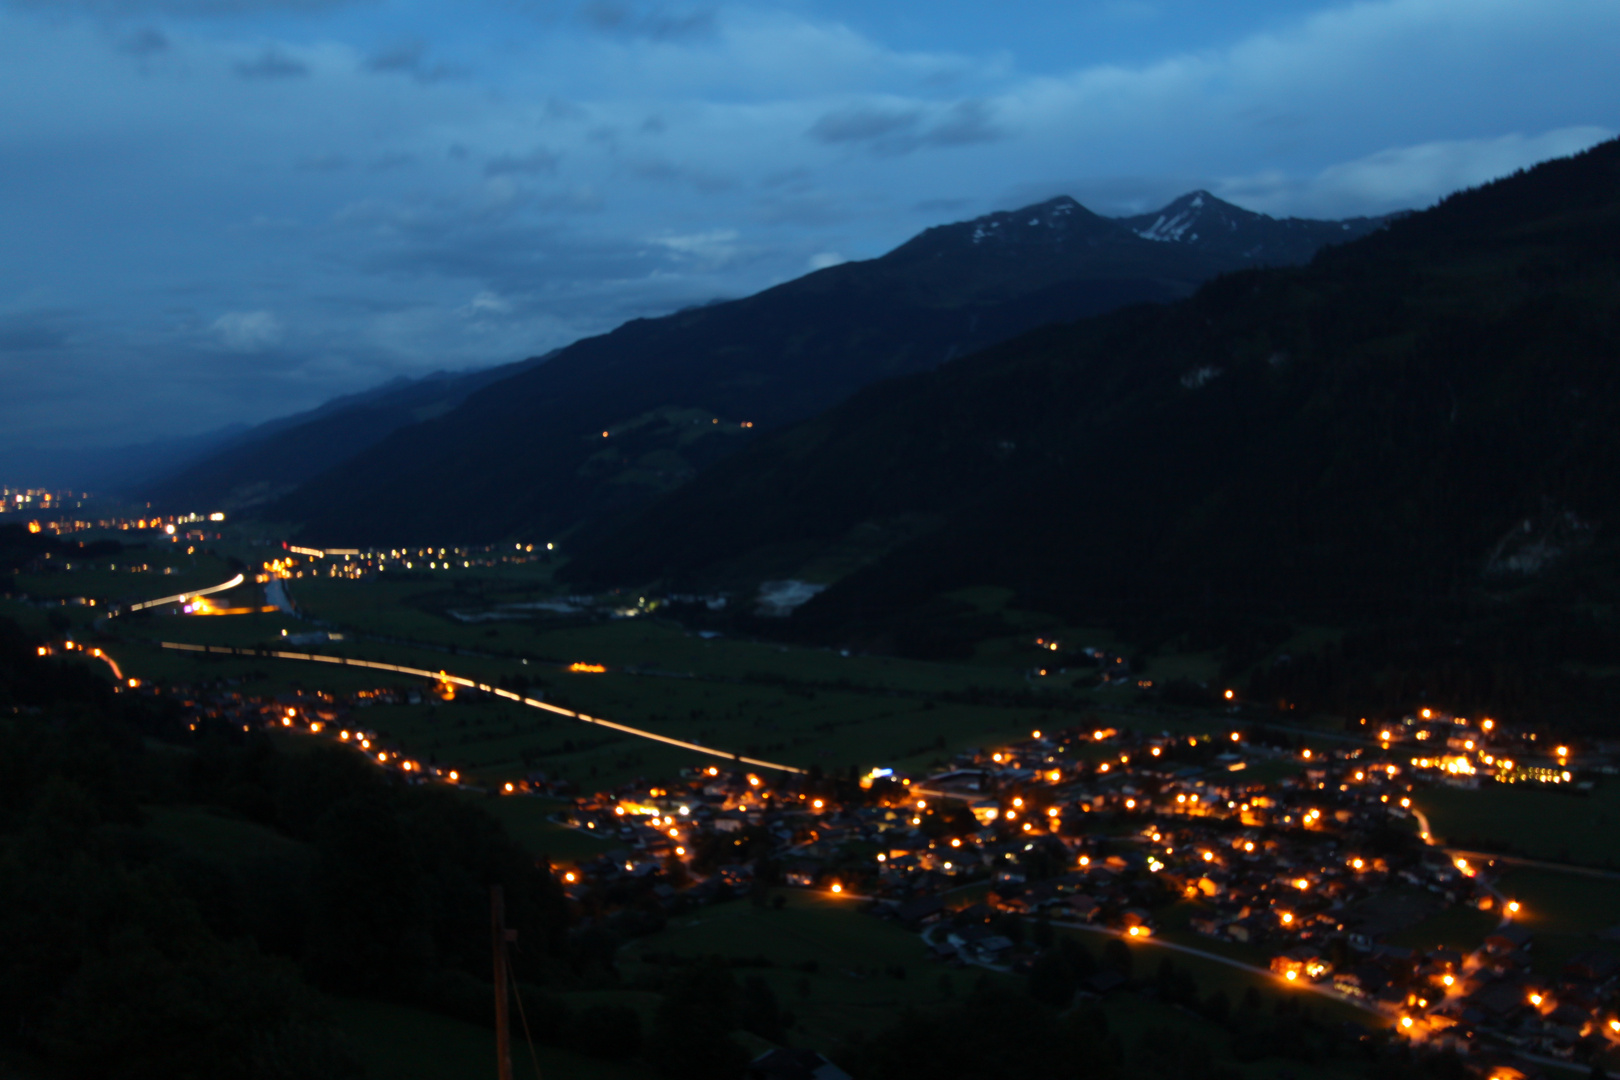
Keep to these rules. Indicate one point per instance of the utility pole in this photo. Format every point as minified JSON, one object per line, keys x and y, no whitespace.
{"x":503,"y":1042}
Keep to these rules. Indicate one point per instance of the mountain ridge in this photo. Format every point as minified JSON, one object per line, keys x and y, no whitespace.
{"x":527,"y":456}
{"x":1351,"y":443}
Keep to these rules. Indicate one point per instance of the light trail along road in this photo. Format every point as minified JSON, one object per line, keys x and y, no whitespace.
{"x":457,"y":680}
{"x":180,"y":598}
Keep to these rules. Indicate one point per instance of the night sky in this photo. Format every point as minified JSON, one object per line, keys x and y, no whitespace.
{"x":217,"y":211}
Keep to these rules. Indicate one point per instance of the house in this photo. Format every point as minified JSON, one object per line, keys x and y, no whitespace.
{"x":1498,"y":1001}
{"x":1082,"y":907}
{"x":1592,"y":966}
{"x":1508,"y":938}
{"x":1301,"y":962}
{"x":990,"y":949}
{"x":730,"y":821}
{"x":920,"y":912}
{"x":802,"y":873}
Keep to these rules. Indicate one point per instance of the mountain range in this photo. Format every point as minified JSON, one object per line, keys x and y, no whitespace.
{"x":1413,"y":442}
{"x":598,"y":429}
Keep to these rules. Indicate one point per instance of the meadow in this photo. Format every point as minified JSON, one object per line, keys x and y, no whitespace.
{"x":1557,"y":825}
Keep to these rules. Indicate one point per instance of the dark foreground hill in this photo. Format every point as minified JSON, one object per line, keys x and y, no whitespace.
{"x":610,"y":422}
{"x":1418,"y":432}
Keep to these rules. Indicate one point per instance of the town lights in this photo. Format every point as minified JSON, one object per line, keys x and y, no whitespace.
{"x":1513,"y":907}
{"x":1229,"y":696}
{"x":1536,"y":999}
{"x":570,"y":877}
{"x":1449,"y":980}
{"x":508,"y":788}
{"x":1287,"y":918}
{"x":837,"y":888}
{"x":818,"y":804}
{"x":1291,"y":975}
{"x":1406,"y":1023}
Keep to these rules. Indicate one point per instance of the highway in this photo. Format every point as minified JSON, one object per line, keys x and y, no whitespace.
{"x":457,"y":680}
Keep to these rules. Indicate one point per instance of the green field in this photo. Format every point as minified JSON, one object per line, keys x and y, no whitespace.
{"x":805,"y":707}
{"x":852,"y":987}
{"x":1560,"y":826}
{"x":1565,"y":912}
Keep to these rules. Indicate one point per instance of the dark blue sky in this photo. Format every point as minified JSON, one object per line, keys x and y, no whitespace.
{"x":224,"y":210}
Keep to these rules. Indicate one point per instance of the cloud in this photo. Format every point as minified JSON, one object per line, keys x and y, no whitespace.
{"x":891,"y":129}
{"x":1404,"y":177}
{"x":660,"y":170}
{"x":323,"y":163}
{"x":37,"y":330}
{"x":825,"y":259}
{"x":864,"y":123}
{"x":538,"y":180}
{"x":395,"y":160}
{"x":487,"y":303}
{"x":146,"y":41}
{"x":715,"y":247}
{"x":271,"y":64}
{"x":536,"y":161}
{"x":558,"y":108}
{"x":248,"y":331}
{"x":191,"y":8}
{"x":410,"y":58}
{"x":656,"y":23}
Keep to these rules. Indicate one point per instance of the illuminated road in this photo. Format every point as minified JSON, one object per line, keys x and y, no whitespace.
{"x":180,"y":598}
{"x":440,"y":676}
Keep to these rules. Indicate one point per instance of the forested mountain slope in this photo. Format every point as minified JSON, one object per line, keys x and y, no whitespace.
{"x":612,"y":421}
{"x":1427,"y":415}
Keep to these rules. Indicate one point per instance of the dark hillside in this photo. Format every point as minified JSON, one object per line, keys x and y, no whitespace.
{"x":272,"y":459}
{"x":1421,"y":421}
{"x":528,"y":455}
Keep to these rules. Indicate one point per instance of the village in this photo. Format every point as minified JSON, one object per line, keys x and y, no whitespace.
{"x":1100,"y":830}
{"x":1299,"y":854}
